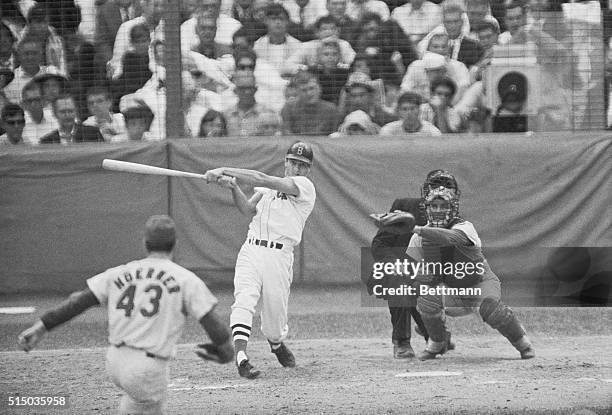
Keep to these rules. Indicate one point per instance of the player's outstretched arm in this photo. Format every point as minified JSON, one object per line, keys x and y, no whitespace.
{"x":221,"y":349}
{"x":256,"y":178}
{"x":448,"y":237}
{"x":74,"y":305}
{"x":247,"y":207}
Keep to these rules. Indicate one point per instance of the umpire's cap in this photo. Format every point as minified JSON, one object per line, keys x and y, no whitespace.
{"x":160,"y":233}
{"x":300,"y":151}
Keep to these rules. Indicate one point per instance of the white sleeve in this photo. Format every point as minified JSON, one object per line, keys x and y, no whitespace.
{"x":415,"y":250}
{"x":306,"y":188}
{"x":198,"y":300}
{"x":468,"y":229}
{"x":121,"y":46}
{"x":99,"y":284}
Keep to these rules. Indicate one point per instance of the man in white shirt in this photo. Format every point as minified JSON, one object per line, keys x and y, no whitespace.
{"x":99,"y":104}
{"x":355,"y":9}
{"x":226,"y":26}
{"x":305,"y":13}
{"x":152,"y":16}
{"x":417,"y":18}
{"x":277,"y":46}
{"x":408,"y":109}
{"x":40,"y":120}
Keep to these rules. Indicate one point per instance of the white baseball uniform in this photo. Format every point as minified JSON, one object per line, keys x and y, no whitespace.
{"x":264,"y":267}
{"x":147,"y":303}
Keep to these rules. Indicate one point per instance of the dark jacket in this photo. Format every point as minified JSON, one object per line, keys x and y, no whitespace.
{"x":470,"y":52}
{"x":83,"y":133}
{"x":388,"y":247}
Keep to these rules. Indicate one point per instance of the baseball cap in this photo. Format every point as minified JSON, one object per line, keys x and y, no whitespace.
{"x":160,"y":233}
{"x":300,"y":151}
{"x":433,"y":60}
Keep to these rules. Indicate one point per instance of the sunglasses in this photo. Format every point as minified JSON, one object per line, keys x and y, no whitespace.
{"x":15,"y":122}
{"x":244,"y":67}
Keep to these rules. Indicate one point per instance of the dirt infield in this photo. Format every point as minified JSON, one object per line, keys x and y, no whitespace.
{"x":484,"y":376}
{"x":345,"y":365}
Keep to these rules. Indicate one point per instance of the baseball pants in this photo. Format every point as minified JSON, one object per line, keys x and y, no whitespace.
{"x":264,"y":273}
{"x":144,"y":380}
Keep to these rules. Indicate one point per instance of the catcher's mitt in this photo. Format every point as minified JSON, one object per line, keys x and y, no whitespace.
{"x":396,"y":222}
{"x":209,"y":351}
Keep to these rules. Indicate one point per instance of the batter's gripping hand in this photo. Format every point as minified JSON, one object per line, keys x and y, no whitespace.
{"x":209,"y":351}
{"x":30,"y":337}
{"x":396,"y":222}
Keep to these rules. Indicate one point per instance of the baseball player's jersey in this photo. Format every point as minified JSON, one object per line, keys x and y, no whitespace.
{"x":281,"y":217}
{"x":148,"y":301}
{"x":418,"y":249}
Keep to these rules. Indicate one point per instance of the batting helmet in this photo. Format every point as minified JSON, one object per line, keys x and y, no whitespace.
{"x":300,"y":151}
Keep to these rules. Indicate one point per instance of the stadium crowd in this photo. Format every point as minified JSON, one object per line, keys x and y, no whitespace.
{"x":95,"y":70}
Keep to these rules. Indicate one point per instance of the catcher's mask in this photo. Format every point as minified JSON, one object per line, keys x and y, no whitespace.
{"x":442,"y":217}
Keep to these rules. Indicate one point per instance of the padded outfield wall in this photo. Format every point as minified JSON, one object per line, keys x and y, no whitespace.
{"x":63,"y":218}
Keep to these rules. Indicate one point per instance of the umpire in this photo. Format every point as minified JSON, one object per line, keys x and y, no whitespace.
{"x":388,"y":247}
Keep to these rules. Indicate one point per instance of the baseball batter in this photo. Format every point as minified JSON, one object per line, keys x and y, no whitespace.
{"x":279,"y":209}
{"x":452,"y":241}
{"x":147,"y":302}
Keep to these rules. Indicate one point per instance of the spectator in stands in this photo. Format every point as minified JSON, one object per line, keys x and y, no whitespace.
{"x":389,"y":49}
{"x":270,"y":125}
{"x":64,"y":17}
{"x":356,"y":123}
{"x":515,"y":20}
{"x":408,"y":109}
{"x":6,"y":77}
{"x":135,"y":63}
{"x":420,"y":73}
{"x":12,"y":121}
{"x":361,"y":63}
{"x":306,"y":56}
{"x":38,"y":26}
{"x":226,"y":25}
{"x":52,"y":85}
{"x":332,"y":76}
{"x":417,"y":18}
{"x":31,"y":58}
{"x":69,"y":131}
{"x":277,"y":45}
{"x":488,"y":32}
{"x":13,"y":14}
{"x":152,"y":17}
{"x":309,"y":115}
{"x":206,"y":29}
{"x":337,"y":9}
{"x":213,"y":124}
{"x":359,"y":96}
{"x":110,"y":15}
{"x":7,"y":53}
{"x":357,"y":9}
{"x":138,"y":120}
{"x":243,"y":119}
{"x":439,"y":111}
{"x":40,"y":120}
{"x":478,"y":11}
{"x":99,"y":104}
{"x":304,"y":14}
{"x":253,"y":17}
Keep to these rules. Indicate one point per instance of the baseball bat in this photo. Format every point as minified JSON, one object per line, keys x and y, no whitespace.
{"x":128,"y":167}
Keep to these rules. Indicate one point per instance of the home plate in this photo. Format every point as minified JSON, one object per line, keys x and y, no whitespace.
{"x":427,"y":374}
{"x":17,"y":310}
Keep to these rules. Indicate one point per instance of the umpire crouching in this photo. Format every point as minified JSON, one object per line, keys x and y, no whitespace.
{"x":388,"y":247}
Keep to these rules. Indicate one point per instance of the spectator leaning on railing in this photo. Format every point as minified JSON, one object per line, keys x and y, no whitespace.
{"x":12,"y":121}
{"x":40,"y":120}
{"x":408,"y":110}
{"x":69,"y":131}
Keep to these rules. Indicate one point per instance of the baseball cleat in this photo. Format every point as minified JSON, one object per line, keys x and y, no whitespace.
{"x":528,"y":353}
{"x":403,"y":351}
{"x":427,"y":355}
{"x":284,"y":355}
{"x":246,"y":370}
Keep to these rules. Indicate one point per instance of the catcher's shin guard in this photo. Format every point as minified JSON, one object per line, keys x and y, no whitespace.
{"x":502,"y":318}
{"x":433,"y":317}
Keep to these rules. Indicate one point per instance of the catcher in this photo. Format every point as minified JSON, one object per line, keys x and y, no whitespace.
{"x":389,"y":244}
{"x":147,"y":302}
{"x":448,"y":239}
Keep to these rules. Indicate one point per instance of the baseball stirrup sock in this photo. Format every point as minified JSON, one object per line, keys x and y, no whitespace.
{"x":241,"y":332}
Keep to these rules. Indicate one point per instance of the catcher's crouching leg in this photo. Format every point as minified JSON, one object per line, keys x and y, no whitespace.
{"x":501,"y":317}
{"x":432,"y":313}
